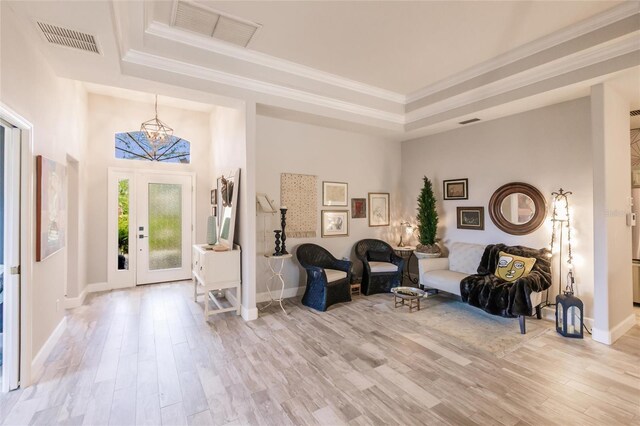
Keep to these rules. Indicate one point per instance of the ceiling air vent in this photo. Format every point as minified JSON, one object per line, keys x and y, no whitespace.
{"x":634,"y":113}
{"x":211,"y":23}
{"x":68,"y":38}
{"x":472,"y":120}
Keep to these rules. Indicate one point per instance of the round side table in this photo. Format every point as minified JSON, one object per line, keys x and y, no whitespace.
{"x":406,"y":253}
{"x":276,"y":274}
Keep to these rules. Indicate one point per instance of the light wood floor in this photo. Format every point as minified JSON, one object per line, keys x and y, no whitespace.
{"x":146,"y":356}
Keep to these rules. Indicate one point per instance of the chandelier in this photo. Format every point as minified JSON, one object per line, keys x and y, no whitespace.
{"x":156,"y":131}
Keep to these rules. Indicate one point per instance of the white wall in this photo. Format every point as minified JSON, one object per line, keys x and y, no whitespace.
{"x":108,"y":116}
{"x":366,"y":163}
{"x":612,"y":188}
{"x":233,"y":147}
{"x":57,"y":109}
{"x":548,"y":148}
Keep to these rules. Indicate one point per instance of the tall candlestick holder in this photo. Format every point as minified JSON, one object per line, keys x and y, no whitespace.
{"x":283,"y":225}
{"x":278,"y":250}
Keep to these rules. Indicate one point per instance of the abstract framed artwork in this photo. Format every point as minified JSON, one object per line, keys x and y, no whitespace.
{"x":456,"y":189}
{"x":334,"y":194}
{"x":378,"y":209}
{"x":335,"y":223}
{"x":358,"y":208}
{"x":470,"y":218}
{"x":51,"y":207}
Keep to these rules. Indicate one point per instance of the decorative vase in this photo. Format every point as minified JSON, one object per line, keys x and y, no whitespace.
{"x":427,"y":251}
{"x":278,"y":250}
{"x":212,"y":236}
{"x":283,"y":225}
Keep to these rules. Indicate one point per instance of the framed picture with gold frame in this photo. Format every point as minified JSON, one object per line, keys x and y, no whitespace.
{"x":455,"y":189}
{"x":335,"y":223}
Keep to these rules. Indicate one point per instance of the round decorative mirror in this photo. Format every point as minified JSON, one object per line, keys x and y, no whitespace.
{"x":517,"y":208}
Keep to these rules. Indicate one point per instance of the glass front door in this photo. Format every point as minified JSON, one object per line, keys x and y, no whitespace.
{"x":163,"y":228}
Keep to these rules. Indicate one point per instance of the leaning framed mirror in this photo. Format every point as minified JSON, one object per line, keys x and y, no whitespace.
{"x":227,"y":202}
{"x":517,"y":208}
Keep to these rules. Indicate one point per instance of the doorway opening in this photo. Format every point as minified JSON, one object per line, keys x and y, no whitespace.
{"x":72,"y":288}
{"x":10,"y":147}
{"x":151,"y":216}
{"x":635,"y":200}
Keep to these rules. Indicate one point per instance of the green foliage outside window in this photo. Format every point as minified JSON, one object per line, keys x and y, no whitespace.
{"x":123,"y":216}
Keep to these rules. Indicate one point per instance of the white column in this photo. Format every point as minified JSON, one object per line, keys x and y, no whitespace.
{"x":613,"y":304}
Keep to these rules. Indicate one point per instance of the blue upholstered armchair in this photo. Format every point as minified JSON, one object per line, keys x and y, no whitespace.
{"x":382,"y":268}
{"x":328,"y":279}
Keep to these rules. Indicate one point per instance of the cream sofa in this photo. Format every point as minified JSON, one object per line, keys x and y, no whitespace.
{"x":445,"y":273}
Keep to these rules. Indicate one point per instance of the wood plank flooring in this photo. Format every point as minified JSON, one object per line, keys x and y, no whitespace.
{"x":146,"y":356}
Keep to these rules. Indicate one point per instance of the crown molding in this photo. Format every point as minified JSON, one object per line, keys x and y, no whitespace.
{"x":171,"y":65}
{"x":243,"y":54}
{"x":586,"y":26}
{"x":574,"y":61}
{"x":566,"y":64}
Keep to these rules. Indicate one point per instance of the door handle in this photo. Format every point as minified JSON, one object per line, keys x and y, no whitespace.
{"x":142,"y":236}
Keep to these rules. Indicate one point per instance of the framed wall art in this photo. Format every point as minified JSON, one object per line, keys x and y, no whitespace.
{"x":456,"y":189}
{"x":378,"y":209}
{"x":358,"y":208}
{"x":335,"y":223}
{"x":470,"y":218}
{"x":334,"y":194}
{"x":51,"y":207}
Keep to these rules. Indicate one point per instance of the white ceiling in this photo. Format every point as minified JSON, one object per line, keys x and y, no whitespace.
{"x":345,"y":61}
{"x":402,"y":46}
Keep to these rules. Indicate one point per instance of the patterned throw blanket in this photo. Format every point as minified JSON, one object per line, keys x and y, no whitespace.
{"x":498,"y":297}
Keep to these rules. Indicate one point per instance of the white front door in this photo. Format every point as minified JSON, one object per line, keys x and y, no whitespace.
{"x":163,"y":227}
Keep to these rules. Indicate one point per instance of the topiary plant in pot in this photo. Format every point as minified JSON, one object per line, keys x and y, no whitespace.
{"x":427,"y":222}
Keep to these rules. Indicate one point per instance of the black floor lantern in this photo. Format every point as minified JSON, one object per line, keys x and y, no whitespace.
{"x":569,"y":313}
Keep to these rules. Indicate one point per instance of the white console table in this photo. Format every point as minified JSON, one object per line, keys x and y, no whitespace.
{"x":217,"y":270}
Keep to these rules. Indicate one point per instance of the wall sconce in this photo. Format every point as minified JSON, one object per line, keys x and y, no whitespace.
{"x":405,"y":227}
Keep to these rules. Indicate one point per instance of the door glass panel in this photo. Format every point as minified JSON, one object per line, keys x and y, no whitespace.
{"x":123,"y":224}
{"x":165,"y":226}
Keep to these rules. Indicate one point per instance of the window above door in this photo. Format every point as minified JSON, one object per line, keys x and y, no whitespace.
{"x":135,"y":146}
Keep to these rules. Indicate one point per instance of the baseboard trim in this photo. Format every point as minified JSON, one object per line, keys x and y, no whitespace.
{"x":95,"y":287}
{"x":608,"y":337}
{"x":249,"y":314}
{"x":38,"y":361}
{"x":288,"y":292}
{"x":74,"y":302}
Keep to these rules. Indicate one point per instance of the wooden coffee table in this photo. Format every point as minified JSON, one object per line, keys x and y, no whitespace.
{"x":407,"y":296}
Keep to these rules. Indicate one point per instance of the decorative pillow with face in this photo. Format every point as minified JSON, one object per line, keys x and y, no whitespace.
{"x":511,"y":267}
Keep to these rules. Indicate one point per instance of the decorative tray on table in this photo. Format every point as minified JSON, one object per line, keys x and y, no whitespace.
{"x":408,"y":292}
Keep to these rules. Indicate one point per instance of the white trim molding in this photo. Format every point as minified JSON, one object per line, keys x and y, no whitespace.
{"x":249,"y":314}
{"x":96,"y":287}
{"x":38,"y":361}
{"x":586,"y":26}
{"x":608,"y":337}
{"x":145,"y":59}
{"x":227,"y":49}
{"x":74,"y":302}
{"x":546,"y":71}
